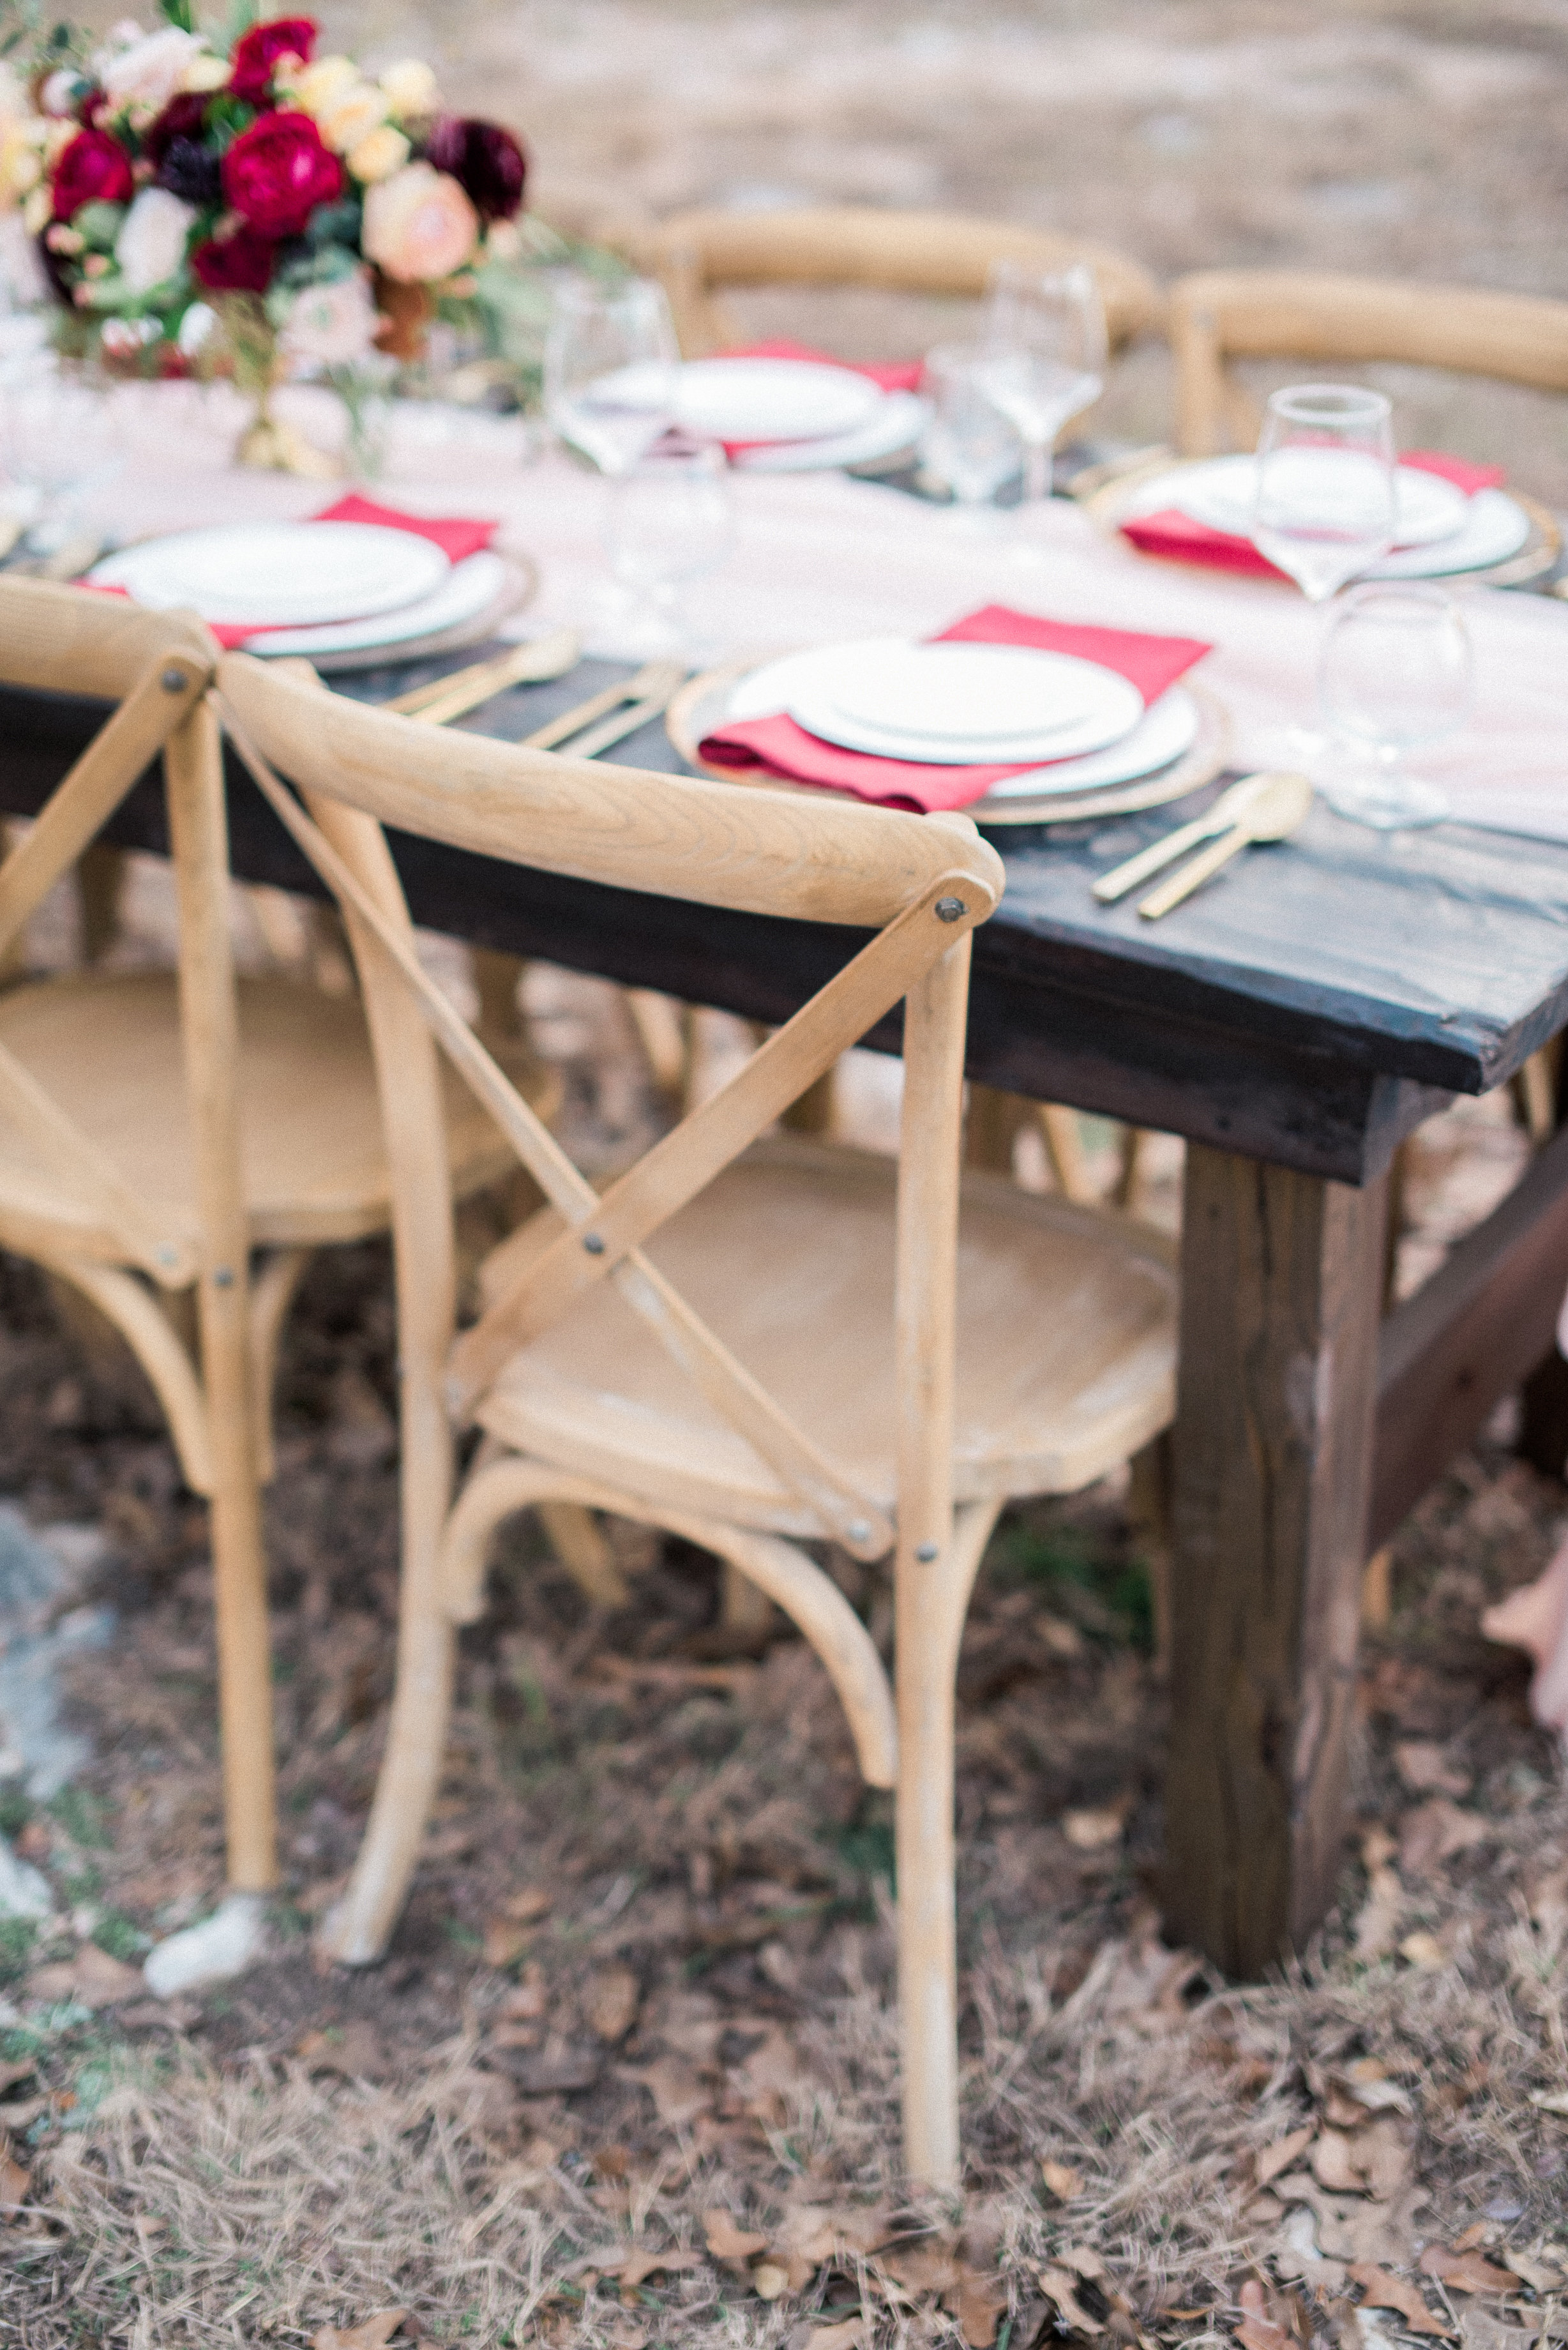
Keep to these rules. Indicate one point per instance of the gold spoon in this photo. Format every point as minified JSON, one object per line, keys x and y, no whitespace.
{"x":1219,"y":817}
{"x":1274,"y":814}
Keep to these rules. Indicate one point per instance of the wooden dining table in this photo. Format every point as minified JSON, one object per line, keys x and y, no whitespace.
{"x":1294,"y":1022}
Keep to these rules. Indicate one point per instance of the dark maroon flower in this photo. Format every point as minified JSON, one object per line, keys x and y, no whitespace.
{"x":193,"y":172}
{"x":94,"y":169}
{"x":241,"y":264}
{"x":277,"y":171}
{"x":184,"y":117}
{"x":256,"y":56}
{"x":486,"y":161}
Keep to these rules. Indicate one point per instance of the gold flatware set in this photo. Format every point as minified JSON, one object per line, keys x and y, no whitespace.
{"x":1263,"y":807}
{"x":588,"y":728}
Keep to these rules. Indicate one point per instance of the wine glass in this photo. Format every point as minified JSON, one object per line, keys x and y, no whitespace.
{"x":60,"y":435}
{"x":1396,"y":672}
{"x":669,"y":521}
{"x":969,"y":440}
{"x":1046,"y":338}
{"x":610,"y":369}
{"x":1323,"y":492}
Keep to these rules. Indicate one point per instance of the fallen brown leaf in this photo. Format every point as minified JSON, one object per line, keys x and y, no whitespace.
{"x":531,"y":1903}
{"x":1061,"y":2286}
{"x":1424,"y":1951}
{"x":504,"y":1942}
{"x":92,"y":1977}
{"x":372,"y":2333}
{"x":850,"y":2334}
{"x":1377,"y":1922}
{"x":1435,"y":1831}
{"x":1282,"y":2153}
{"x":610,"y":2002}
{"x":14,"y":2182}
{"x":356,"y":2052}
{"x":1385,"y":2291}
{"x":977,"y":2301}
{"x":1258,"y":2330}
{"x":1427,"y":1767}
{"x":679,"y":2091}
{"x":726,"y":2242}
{"x":1464,"y":2271}
{"x":1540,"y":2276}
{"x":1062,"y":2181}
{"x":1373,"y":2160}
{"x":1092,"y":1831}
{"x":639,"y":2263}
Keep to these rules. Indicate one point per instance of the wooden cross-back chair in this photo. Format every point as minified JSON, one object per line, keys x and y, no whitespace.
{"x":698,"y":254}
{"x":1219,"y":314}
{"x":167,"y":1136}
{"x":750,"y":1343}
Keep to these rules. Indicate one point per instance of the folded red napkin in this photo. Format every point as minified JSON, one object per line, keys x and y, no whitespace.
{"x":1181,"y":538}
{"x":456,"y":538}
{"x":780,"y":747}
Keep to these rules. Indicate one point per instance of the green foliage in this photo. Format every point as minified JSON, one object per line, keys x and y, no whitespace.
{"x":866,"y":1843}
{"x":18,"y":1936}
{"x":84,"y":1819}
{"x":1092,"y":1582}
{"x":120,"y":1938}
{"x":180,"y":14}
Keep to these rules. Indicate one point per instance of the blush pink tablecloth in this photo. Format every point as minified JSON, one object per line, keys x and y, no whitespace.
{"x":819,"y":557}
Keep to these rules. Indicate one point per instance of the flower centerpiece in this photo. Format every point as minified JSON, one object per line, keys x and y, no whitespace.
{"x":247,"y":202}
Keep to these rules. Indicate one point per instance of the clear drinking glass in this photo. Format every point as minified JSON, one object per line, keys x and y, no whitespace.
{"x":1323,"y":494}
{"x":1046,"y":338}
{"x":1395,"y":673}
{"x":59,"y":436}
{"x":610,"y":361}
{"x":969,"y":440}
{"x":669,"y":521}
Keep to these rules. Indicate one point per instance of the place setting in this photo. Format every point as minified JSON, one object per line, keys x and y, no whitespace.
{"x":1017,"y":719}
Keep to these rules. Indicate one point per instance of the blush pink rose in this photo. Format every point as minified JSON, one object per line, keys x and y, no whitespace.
{"x":418,"y":226}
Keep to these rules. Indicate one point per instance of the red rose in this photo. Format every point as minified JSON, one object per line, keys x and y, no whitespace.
{"x":241,"y":264}
{"x":182,"y":118}
{"x":277,"y":171}
{"x":255,"y":57}
{"x":94,"y":169}
{"x":485,"y":160}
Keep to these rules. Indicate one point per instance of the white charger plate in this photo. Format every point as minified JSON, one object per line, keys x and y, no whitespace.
{"x":279,"y":575}
{"x":1220,"y":492}
{"x":1167,"y":731}
{"x":894,"y":424}
{"x":468,"y":589}
{"x":1495,"y":527}
{"x":773,"y":400}
{"x":1082,"y":707}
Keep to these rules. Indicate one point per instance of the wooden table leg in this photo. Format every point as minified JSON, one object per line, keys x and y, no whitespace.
{"x":1282,"y":1292}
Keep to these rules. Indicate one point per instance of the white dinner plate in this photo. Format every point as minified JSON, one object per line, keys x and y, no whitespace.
{"x":1082,"y":706}
{"x":895,"y":423}
{"x":773,"y":400}
{"x":1496,"y":528}
{"x":1167,"y":730}
{"x":1220,"y":492}
{"x":278,"y":575}
{"x":963,"y":692}
{"x":467,"y":589}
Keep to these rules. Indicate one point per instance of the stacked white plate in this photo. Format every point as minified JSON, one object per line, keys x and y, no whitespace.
{"x":347,"y":591}
{"x":956,"y":704}
{"x":1439,"y":529}
{"x":782,"y":416}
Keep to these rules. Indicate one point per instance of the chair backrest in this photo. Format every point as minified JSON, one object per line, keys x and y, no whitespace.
{"x":154,"y":668}
{"x":695,"y":253}
{"x":918,"y":884}
{"x":1219,"y":314}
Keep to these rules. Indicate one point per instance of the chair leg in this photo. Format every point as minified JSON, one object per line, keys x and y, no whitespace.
{"x":929,"y":1627}
{"x":100,"y":885}
{"x":1064,"y":1150}
{"x":271,"y":1295}
{"x":578,"y":1542}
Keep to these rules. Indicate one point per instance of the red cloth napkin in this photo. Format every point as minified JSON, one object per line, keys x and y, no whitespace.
{"x":456,"y":538}
{"x":778,"y":746}
{"x":1181,"y":538}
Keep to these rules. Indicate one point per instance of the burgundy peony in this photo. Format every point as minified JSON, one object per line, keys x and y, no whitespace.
{"x":256,"y":56}
{"x":94,"y":169}
{"x":241,"y":264}
{"x":277,"y":171}
{"x":486,"y":161}
{"x":182,"y":118}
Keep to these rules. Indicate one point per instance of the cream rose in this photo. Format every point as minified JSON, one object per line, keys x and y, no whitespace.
{"x":333,"y":324}
{"x":410,"y":88}
{"x":151,"y":70}
{"x":350,"y":115}
{"x":152,"y":237}
{"x":319,"y":84}
{"x":205,"y":72}
{"x":386,"y":150}
{"x":418,"y":224}
{"x":21,"y":156}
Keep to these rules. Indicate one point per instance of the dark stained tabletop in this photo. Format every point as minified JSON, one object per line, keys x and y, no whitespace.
{"x":1309,"y":1007}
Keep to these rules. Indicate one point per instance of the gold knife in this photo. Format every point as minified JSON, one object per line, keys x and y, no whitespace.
{"x":651,"y":689}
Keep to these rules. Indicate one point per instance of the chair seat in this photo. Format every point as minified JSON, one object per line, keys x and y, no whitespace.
{"x":105,"y":1047}
{"x":1066,"y":1343}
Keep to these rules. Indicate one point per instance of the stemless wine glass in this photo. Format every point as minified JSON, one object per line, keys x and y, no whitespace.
{"x":1395,"y":673}
{"x":1046,"y":341}
{"x":969,"y":440}
{"x":59,"y":436}
{"x":1323,"y":494}
{"x":610,"y":360}
{"x":669,"y":521}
